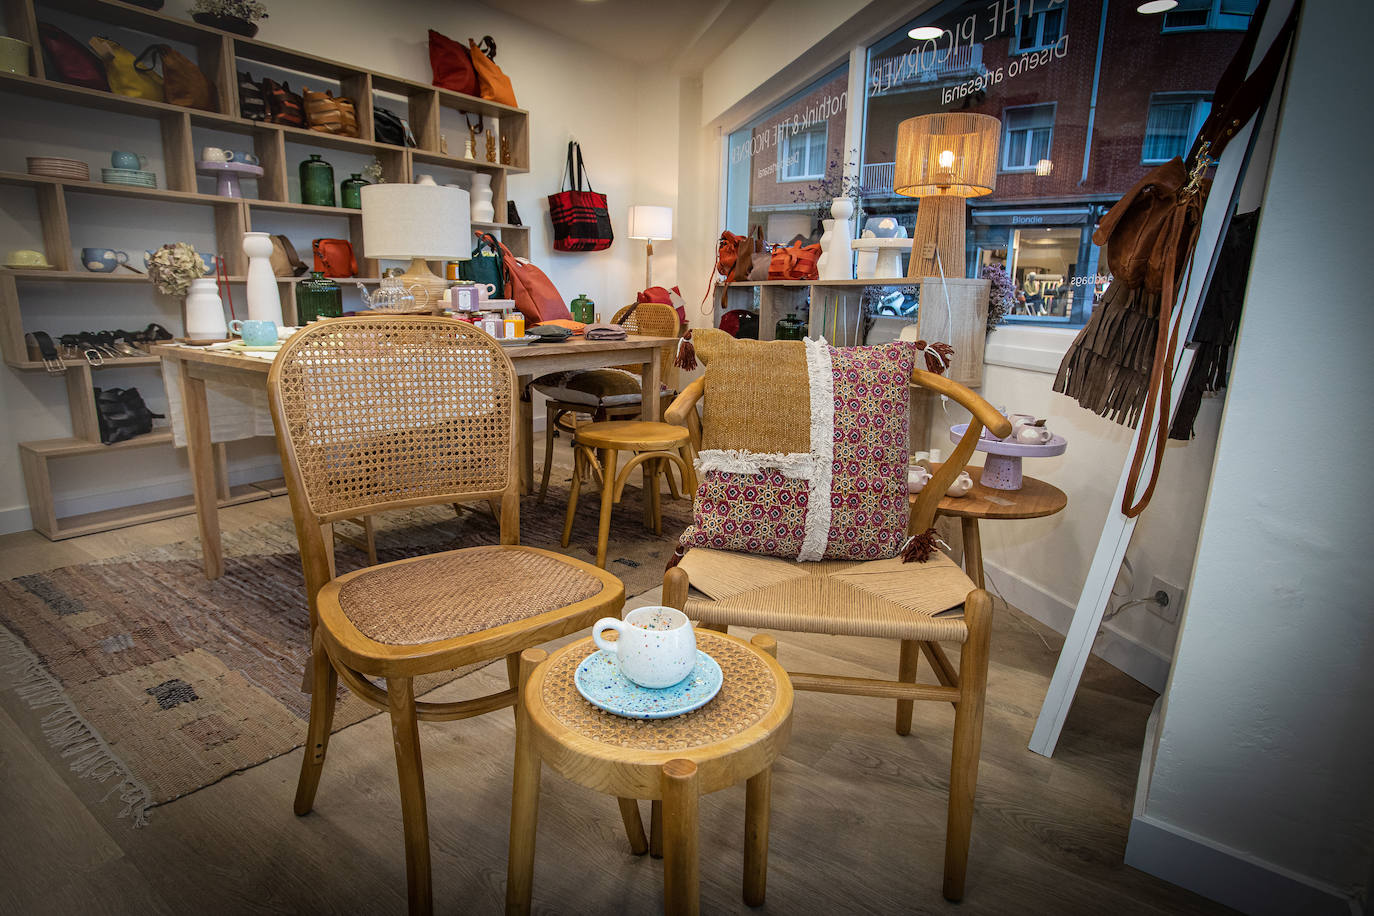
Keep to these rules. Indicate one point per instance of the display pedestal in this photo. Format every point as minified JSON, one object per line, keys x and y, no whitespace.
{"x":1002,"y":469}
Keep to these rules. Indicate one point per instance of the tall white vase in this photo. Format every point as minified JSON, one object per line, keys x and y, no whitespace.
{"x":482,"y":209}
{"x":827,"y":232}
{"x":839,"y":258}
{"x":264,"y":297}
{"x":205,"y":311}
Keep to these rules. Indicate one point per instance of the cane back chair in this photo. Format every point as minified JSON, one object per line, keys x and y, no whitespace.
{"x":380,"y":413}
{"x":918,"y":604}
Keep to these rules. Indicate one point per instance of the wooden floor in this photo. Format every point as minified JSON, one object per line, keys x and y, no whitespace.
{"x":858,"y":812}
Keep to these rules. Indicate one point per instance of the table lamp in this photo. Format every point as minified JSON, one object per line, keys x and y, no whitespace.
{"x":418,"y":222}
{"x":944,"y":159}
{"x":650,"y":223}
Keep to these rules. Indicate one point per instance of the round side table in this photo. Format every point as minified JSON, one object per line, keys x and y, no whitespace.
{"x":1035,"y":499}
{"x":733,"y":738}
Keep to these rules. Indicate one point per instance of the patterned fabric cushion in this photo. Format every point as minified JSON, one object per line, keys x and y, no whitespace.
{"x":804,"y":449}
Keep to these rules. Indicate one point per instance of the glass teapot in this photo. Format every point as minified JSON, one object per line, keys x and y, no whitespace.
{"x":394,"y":296}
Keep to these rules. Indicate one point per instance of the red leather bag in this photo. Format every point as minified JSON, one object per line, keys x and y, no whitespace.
{"x":534,"y":293}
{"x":795,"y":262}
{"x":727,"y":252}
{"x":451,"y":64}
{"x":69,"y":61}
{"x":334,"y":257}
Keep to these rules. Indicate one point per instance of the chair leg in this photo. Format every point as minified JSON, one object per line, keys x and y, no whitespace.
{"x":324,"y":682}
{"x":513,"y":679}
{"x":370,"y":539}
{"x":603,"y":532}
{"x":405,"y":734}
{"x":634,"y":826}
{"x":578,"y":461}
{"x":681,"y":860}
{"x":758,"y":792}
{"x":968,"y":740}
{"x":655,"y":505}
{"x":550,"y":428}
{"x":656,"y":829}
{"x":524,"y":804}
{"x":908,"y":663}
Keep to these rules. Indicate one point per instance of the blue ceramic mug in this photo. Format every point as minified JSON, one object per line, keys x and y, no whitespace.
{"x":255,"y":333}
{"x":102,"y":260}
{"x":243,"y":158}
{"x":122,"y":160}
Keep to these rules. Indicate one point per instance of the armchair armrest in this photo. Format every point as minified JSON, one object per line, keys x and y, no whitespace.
{"x":683,"y":410}
{"x":984,"y":414}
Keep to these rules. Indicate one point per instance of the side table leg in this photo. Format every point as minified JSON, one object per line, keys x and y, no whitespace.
{"x":681,"y":870}
{"x":758,"y":792}
{"x":656,"y":829}
{"x":973,"y":551}
{"x":524,"y":803}
{"x":200,"y":453}
{"x":634,"y":827}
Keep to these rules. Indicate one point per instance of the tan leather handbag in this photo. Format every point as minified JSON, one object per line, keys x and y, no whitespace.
{"x":330,"y":114}
{"x":182,"y":81}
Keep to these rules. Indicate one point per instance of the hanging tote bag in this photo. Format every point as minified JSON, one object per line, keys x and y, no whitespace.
{"x":534,"y":293}
{"x":124,"y":77}
{"x":69,"y":61}
{"x":182,"y":81}
{"x":581,"y":221}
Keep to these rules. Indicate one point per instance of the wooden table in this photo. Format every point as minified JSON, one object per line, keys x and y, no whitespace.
{"x":1035,"y":499}
{"x":198,"y":366}
{"x":733,"y":738}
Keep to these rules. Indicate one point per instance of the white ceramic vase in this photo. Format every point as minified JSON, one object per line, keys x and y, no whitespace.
{"x":205,"y":311}
{"x":838,"y":259}
{"x":827,"y":233}
{"x":482,"y":209}
{"x":264,"y":296}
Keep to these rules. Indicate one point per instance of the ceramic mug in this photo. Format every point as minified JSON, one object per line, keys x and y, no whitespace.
{"x":14,"y":55}
{"x":255,"y":333}
{"x":917,"y":476}
{"x":214,"y":154}
{"x":1032,"y":435}
{"x":961,"y":486}
{"x":122,"y":160}
{"x":656,"y":648}
{"x":103,"y":260}
{"x":486,"y":290}
{"x":245,"y":158}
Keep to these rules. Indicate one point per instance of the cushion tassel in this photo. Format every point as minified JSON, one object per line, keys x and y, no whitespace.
{"x":938,"y":356}
{"x":920,"y":547}
{"x":686,"y":353}
{"x":676,"y":558}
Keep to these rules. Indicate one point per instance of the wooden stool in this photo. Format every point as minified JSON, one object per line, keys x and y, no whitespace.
{"x":654,"y":445}
{"x":735,"y":737}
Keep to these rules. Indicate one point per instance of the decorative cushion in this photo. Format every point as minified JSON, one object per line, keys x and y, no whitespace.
{"x":804,"y":449}
{"x":593,"y":387}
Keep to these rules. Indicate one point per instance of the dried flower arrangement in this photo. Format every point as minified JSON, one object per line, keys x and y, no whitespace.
{"x":1002,"y":297}
{"x":173,"y":267}
{"x":247,"y":10}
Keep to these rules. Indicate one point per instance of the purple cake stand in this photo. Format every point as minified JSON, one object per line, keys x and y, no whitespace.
{"x":1002,"y":469}
{"x":227,"y":175}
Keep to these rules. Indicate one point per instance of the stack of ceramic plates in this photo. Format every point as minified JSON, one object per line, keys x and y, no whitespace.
{"x":136,"y":178}
{"x":50,"y":167}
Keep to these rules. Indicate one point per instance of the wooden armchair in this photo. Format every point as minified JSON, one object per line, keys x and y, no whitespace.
{"x":919,"y":604}
{"x":382,"y":413}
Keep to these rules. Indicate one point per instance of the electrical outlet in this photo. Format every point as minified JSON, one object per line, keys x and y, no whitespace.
{"x":1174,"y":593}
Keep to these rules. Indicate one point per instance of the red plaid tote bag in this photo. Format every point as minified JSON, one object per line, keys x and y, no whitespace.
{"x":581,"y":221}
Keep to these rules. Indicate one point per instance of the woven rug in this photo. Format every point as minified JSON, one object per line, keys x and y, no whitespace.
{"x":156,"y":681}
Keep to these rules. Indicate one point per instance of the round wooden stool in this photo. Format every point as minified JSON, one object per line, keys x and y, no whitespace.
{"x":735,"y":737}
{"x":598,"y":445}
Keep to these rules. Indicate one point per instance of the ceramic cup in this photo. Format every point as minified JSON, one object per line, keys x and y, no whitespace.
{"x":656,"y":648}
{"x":245,"y":158}
{"x":122,"y":160}
{"x":214,"y":154}
{"x":26,"y":257}
{"x":255,"y":333}
{"x":14,"y":55}
{"x":102,"y":260}
{"x":917,"y":476}
{"x":486,"y":290}
{"x":1032,"y":435}
{"x":961,"y":486}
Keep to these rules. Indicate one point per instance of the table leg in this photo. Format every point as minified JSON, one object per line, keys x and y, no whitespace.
{"x":200,"y":452}
{"x":681,"y":873}
{"x":524,"y":434}
{"x":634,"y":826}
{"x":973,"y":551}
{"x":656,"y":829}
{"x":524,"y":805}
{"x":758,"y":792}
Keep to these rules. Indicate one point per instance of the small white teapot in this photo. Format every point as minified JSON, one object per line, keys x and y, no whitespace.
{"x":961,"y":486}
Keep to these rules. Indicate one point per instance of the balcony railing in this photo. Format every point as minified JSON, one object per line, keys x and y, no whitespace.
{"x":875,"y":179}
{"x":904,"y":71}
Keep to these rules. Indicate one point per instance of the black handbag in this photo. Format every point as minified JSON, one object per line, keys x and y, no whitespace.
{"x":122,"y":414}
{"x":252,"y":102}
{"x":389,"y":127}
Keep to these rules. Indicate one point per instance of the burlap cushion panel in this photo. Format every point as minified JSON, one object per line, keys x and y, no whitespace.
{"x":757,"y":398}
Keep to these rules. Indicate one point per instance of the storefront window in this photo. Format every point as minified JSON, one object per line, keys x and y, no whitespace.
{"x":784,"y":168}
{"x":1087,"y":108}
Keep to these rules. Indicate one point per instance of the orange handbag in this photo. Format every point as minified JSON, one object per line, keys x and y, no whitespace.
{"x":495,"y":85}
{"x":795,"y":262}
{"x":329,"y":114}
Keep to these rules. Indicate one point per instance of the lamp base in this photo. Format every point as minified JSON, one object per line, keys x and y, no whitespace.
{"x":939,"y":228}
{"x":427,"y":285}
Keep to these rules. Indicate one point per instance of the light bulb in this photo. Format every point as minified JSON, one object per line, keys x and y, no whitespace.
{"x":946,"y":158}
{"x":926,"y":32}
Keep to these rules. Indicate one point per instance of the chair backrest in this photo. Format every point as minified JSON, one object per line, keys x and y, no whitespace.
{"x":379,"y":412}
{"x":653,"y":319}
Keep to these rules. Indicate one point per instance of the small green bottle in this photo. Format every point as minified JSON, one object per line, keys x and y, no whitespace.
{"x":790,"y":328}
{"x":350,"y":191}
{"x":317,"y":182}
{"x":584,"y":309}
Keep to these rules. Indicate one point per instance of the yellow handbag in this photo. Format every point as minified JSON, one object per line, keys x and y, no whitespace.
{"x":124,"y":77}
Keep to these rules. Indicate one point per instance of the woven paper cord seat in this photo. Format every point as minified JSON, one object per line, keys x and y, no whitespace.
{"x":883,"y":598}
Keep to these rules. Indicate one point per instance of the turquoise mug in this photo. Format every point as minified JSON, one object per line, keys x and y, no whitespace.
{"x":122,"y":160}
{"x":255,"y":333}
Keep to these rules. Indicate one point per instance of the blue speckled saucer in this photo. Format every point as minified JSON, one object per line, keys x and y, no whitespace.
{"x":600,"y":682}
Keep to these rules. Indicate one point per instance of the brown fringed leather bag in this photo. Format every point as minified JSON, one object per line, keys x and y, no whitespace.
{"x":1121,"y":364}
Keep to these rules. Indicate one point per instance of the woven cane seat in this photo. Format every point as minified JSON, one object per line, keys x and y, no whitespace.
{"x":460,"y":592}
{"x":883,"y":598}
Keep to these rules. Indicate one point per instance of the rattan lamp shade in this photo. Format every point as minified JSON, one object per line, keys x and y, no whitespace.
{"x":947,"y":155}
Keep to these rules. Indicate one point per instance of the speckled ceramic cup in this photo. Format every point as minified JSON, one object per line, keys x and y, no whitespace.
{"x":656,"y":648}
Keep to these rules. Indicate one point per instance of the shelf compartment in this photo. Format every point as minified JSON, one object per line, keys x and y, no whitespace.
{"x":67,"y":446}
{"x":100,"y":187}
{"x":110,"y":363}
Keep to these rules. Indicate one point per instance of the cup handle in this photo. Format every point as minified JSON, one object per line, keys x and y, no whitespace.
{"x":142,"y":162}
{"x":606,"y":623}
{"x":121,"y":257}
{"x":236,"y":327}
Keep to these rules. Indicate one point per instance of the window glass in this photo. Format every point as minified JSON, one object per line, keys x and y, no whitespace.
{"x":784,"y":168}
{"x":1087,"y":108}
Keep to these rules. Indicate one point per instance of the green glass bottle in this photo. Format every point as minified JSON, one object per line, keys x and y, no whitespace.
{"x":790,"y":328}
{"x":318,"y":297}
{"x":350,"y":191}
{"x":317,"y":182}
{"x":583,"y":309}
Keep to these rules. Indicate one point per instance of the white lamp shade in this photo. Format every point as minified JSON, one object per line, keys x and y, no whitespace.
{"x":404,"y":221}
{"x":651,"y":222}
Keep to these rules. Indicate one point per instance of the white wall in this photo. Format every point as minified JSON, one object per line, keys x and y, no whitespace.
{"x":1265,"y":749}
{"x":569,"y":89}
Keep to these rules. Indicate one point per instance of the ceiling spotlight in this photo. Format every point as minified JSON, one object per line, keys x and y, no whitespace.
{"x":928,"y":32}
{"x":1156,"y":6}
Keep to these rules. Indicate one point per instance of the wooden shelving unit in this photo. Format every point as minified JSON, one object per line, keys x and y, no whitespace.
{"x":220,"y":55}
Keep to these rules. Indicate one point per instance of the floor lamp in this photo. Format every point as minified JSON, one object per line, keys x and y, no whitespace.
{"x":944,"y":159}
{"x":650,"y":224}
{"x":419,"y":222}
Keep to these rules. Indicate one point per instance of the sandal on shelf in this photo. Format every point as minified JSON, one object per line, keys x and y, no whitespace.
{"x":41,"y":349}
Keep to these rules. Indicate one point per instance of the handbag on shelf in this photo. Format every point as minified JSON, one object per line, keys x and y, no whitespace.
{"x":284,"y":259}
{"x":330,"y":114}
{"x":252,"y":101}
{"x":762,"y":260}
{"x":121,"y":414}
{"x":183,"y":83}
{"x":451,"y":64}
{"x":581,"y":220}
{"x":283,"y":105}
{"x":491,"y":80}
{"x":794,"y":262}
{"x":749,"y":248}
{"x":389,"y":127}
{"x":486,"y":264}
{"x":124,"y":76}
{"x":334,"y":257}
{"x":534,"y":293}
{"x":69,"y":61}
